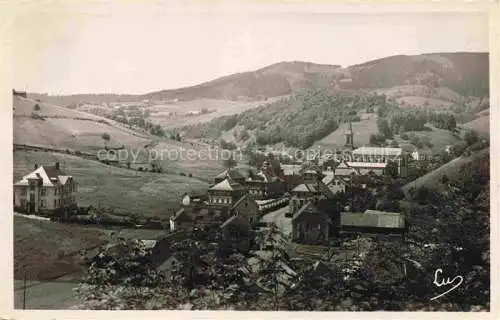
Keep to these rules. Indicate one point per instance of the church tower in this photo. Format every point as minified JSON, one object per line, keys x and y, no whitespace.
{"x":349,"y":137}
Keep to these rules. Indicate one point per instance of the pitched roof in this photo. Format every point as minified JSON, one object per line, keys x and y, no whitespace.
{"x":227,"y":185}
{"x":312,"y":209}
{"x":181,"y":215}
{"x":313,"y":187}
{"x":344,"y":169}
{"x":377,"y":151}
{"x":243,"y":198}
{"x":329,"y":177}
{"x":234,"y":219}
{"x":50,"y":176}
{"x":372,"y":218}
{"x":232,"y":173}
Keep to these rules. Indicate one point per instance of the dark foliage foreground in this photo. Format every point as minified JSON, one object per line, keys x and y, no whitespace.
{"x":454,"y":237}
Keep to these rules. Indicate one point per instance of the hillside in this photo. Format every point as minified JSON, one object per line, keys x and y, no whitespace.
{"x":463,"y":72}
{"x":452,"y":170}
{"x":466,"y":73}
{"x":55,"y":126}
{"x":481,"y":124}
{"x":296,"y":121}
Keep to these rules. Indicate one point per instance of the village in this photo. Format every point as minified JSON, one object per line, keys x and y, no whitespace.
{"x":325,"y":209}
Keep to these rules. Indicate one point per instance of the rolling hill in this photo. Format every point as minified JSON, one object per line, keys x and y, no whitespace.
{"x":55,"y":126}
{"x":466,"y":73}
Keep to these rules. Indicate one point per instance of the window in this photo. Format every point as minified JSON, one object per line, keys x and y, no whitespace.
{"x":23,"y":203}
{"x":55,"y":203}
{"x":44,"y":192}
{"x":23,"y":191}
{"x":42,"y":204}
{"x":55,"y":191}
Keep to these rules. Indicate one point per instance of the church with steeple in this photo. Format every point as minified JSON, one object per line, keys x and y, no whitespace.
{"x":349,"y":137}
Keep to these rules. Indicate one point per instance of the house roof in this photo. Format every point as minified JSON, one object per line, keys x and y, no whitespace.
{"x":367,"y":165}
{"x":234,"y":220}
{"x":313,"y":187}
{"x":329,"y":177}
{"x":377,"y":151}
{"x":232,"y":173}
{"x":311,"y":208}
{"x":375,"y":219}
{"x":227,"y":185}
{"x":50,"y":176}
{"x":243,"y":198}
{"x":181,"y":215}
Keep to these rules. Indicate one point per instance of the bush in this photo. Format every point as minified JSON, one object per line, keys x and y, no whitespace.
{"x":36,"y":107}
{"x":182,"y":174}
{"x":190,"y":175}
{"x":404,"y":136}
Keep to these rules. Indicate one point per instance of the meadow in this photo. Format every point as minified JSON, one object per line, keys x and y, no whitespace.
{"x":125,"y":191}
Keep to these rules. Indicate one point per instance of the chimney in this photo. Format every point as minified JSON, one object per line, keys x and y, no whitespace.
{"x":36,"y":166}
{"x":58,"y":166}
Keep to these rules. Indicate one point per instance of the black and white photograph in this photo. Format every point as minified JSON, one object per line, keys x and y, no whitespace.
{"x":173,"y":155}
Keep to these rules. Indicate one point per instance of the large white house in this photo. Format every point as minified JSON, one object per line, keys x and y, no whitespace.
{"x":46,"y":190}
{"x":376,"y":158}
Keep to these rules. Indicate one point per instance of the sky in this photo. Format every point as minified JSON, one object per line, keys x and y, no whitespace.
{"x":144,"y":48}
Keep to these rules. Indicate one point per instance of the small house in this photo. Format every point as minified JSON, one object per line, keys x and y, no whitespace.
{"x":311,"y":224}
{"x":246,"y":208}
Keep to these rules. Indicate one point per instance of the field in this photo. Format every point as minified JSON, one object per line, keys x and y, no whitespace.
{"x":417,"y":101}
{"x":126,"y":191}
{"x":69,"y":129}
{"x":441,"y":93}
{"x":178,"y":114}
{"x":439,"y":138}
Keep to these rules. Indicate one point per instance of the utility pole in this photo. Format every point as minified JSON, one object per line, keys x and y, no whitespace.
{"x":24,"y":290}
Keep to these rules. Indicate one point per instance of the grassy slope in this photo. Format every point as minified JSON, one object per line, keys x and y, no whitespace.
{"x":439,"y":138}
{"x":125,"y":190}
{"x":160,"y":113}
{"x":450,"y":169}
{"x":481,"y":124}
{"x":46,"y":250}
{"x":67,"y":131}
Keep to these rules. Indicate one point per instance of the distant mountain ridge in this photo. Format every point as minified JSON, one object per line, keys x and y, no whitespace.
{"x":464,"y":72}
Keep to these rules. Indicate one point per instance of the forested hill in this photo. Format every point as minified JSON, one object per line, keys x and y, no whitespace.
{"x":463,"y":72}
